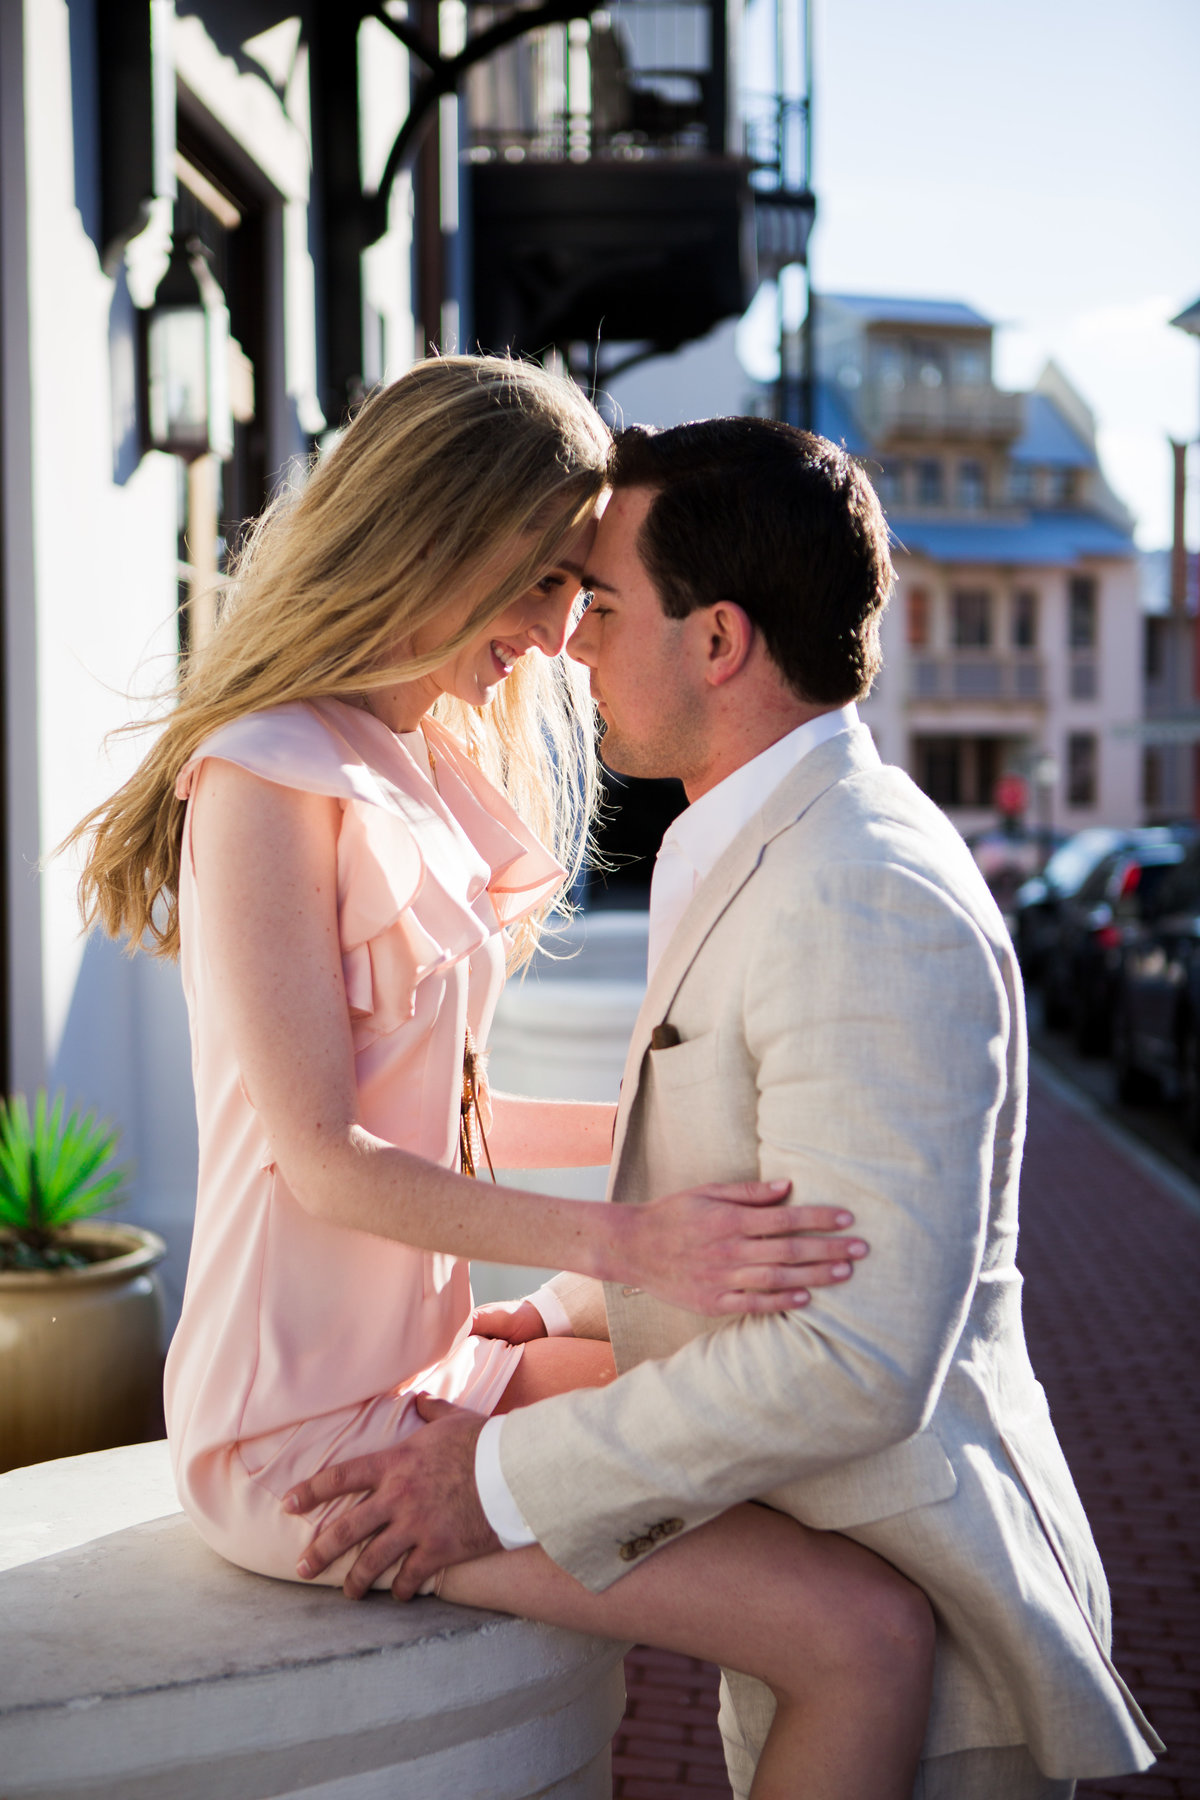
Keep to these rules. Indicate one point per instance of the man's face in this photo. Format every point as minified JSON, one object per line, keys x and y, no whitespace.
{"x":642,"y":663}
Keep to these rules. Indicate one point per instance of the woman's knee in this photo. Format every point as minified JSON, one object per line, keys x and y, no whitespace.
{"x":887,"y":1632}
{"x":871,"y":1628}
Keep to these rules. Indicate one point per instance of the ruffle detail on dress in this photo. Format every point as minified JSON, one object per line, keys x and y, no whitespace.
{"x":392,"y":934}
{"x":523,"y":872}
{"x":400,"y":918}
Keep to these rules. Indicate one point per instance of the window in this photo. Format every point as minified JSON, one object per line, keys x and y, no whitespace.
{"x":1060,"y":487}
{"x":1025,"y":620}
{"x":1081,"y":616}
{"x":1154,"y":662}
{"x":1083,"y":684}
{"x":929,"y":481}
{"x":1153,"y":785}
{"x":939,"y":770}
{"x":969,"y":367}
{"x":959,"y":771}
{"x":1021,"y":484}
{"x":888,"y":361}
{"x":972,"y":619}
{"x":917,"y":618}
{"x":889,"y":484}
{"x":1081,"y":768}
{"x":972,"y":485}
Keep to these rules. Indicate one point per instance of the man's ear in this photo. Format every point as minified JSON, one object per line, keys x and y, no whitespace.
{"x":729,"y":641}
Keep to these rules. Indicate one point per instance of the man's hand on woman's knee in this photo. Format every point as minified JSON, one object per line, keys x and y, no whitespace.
{"x":418,"y":1505}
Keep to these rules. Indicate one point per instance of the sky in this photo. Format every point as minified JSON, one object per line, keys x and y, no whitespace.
{"x":1039,"y":159}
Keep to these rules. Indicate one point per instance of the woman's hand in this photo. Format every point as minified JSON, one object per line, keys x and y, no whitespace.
{"x":735,"y":1248}
{"x":515,"y":1324}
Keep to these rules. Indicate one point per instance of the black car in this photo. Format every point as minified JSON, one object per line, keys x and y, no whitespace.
{"x":1037,"y":902}
{"x":1156,"y":1019}
{"x":1082,"y":967}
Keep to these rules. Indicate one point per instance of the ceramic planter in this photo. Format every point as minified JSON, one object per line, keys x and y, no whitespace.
{"x":81,"y":1349}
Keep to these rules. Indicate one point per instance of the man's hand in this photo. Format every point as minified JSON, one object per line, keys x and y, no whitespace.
{"x":419,"y":1502}
{"x":517,"y":1324}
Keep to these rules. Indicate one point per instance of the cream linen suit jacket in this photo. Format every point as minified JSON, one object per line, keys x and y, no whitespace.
{"x":850,"y":1015}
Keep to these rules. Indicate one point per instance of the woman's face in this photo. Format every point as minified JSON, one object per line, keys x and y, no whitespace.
{"x":539,"y":620}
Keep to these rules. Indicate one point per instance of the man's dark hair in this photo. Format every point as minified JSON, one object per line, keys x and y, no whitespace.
{"x":781,"y":522}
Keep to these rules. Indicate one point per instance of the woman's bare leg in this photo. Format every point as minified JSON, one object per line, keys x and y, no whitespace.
{"x":844,"y":1642}
{"x":552,"y":1365}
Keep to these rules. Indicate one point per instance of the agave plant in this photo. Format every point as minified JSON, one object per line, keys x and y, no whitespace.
{"x":55,"y":1168}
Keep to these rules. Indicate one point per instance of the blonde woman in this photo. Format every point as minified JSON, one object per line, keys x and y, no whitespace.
{"x":343,"y":831}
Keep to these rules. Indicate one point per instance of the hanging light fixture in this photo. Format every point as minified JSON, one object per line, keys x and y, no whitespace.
{"x":186,"y":337}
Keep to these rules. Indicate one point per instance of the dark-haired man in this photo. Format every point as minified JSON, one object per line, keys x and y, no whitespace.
{"x":832,"y":998}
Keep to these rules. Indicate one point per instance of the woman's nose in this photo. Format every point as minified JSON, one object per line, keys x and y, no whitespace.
{"x":549,"y":632}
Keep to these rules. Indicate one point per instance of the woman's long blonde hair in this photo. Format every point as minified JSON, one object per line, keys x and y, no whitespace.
{"x":460,"y":457}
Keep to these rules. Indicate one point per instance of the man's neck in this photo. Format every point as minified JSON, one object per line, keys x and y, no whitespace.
{"x":742,"y":737}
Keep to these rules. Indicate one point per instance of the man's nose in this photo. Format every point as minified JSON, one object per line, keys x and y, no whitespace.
{"x":579,"y":644}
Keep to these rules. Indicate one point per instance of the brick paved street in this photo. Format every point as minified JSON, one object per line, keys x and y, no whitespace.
{"x":1111,"y":1255}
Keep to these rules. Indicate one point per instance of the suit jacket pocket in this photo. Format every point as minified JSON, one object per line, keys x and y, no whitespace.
{"x":914,"y":1473}
{"x":683,"y":1065}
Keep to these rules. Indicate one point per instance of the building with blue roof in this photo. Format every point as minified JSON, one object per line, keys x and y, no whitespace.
{"x":1013,"y":645}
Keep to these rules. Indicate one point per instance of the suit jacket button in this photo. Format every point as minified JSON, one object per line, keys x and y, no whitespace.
{"x":627,"y":1293}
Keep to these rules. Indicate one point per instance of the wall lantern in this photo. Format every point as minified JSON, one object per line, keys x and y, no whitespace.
{"x":186,"y":336}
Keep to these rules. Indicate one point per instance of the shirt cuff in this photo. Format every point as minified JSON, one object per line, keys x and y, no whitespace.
{"x":555,"y":1316}
{"x":495,"y":1496}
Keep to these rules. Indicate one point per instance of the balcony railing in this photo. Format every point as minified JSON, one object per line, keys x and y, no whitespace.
{"x":977,"y":675}
{"x":917,"y":411}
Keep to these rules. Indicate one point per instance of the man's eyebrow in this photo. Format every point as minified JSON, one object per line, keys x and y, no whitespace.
{"x":591,"y":581}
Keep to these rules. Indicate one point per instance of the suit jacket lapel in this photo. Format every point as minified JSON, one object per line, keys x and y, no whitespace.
{"x":830,"y":762}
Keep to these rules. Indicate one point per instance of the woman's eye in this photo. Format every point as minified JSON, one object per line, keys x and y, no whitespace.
{"x":549,"y":584}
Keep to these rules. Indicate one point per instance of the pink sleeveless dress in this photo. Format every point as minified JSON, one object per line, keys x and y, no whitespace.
{"x":301,"y":1343}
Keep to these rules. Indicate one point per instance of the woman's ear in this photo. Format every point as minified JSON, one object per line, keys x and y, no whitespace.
{"x":730,"y":639}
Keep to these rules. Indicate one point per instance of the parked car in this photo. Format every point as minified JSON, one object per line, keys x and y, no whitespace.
{"x":1037,"y":902}
{"x":1009,"y":854}
{"x":1156,"y":1018}
{"x":1082,"y":967}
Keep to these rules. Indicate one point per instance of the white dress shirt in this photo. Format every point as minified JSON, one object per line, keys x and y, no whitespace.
{"x":691,"y":847}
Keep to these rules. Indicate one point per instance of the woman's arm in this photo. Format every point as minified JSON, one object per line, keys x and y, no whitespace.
{"x":550,"y":1134}
{"x":266,"y":870}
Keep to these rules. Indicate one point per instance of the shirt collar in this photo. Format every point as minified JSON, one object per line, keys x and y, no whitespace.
{"x":706,"y":829}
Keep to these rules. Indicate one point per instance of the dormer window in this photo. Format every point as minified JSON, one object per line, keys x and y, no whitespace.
{"x":889,"y":484}
{"x":969,"y":366}
{"x":929,"y":481}
{"x":888,"y":360}
{"x":972,"y":484}
{"x":1060,"y":487}
{"x":1021,"y":484}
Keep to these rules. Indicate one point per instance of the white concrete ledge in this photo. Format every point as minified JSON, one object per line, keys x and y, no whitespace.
{"x":138,"y":1665}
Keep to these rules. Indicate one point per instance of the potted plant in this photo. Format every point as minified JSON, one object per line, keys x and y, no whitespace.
{"x":80,"y":1303}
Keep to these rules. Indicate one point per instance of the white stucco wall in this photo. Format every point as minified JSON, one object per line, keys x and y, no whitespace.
{"x":91,"y":604}
{"x":104,"y":599}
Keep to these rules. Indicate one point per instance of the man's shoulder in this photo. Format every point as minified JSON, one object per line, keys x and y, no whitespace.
{"x":876,"y":823}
